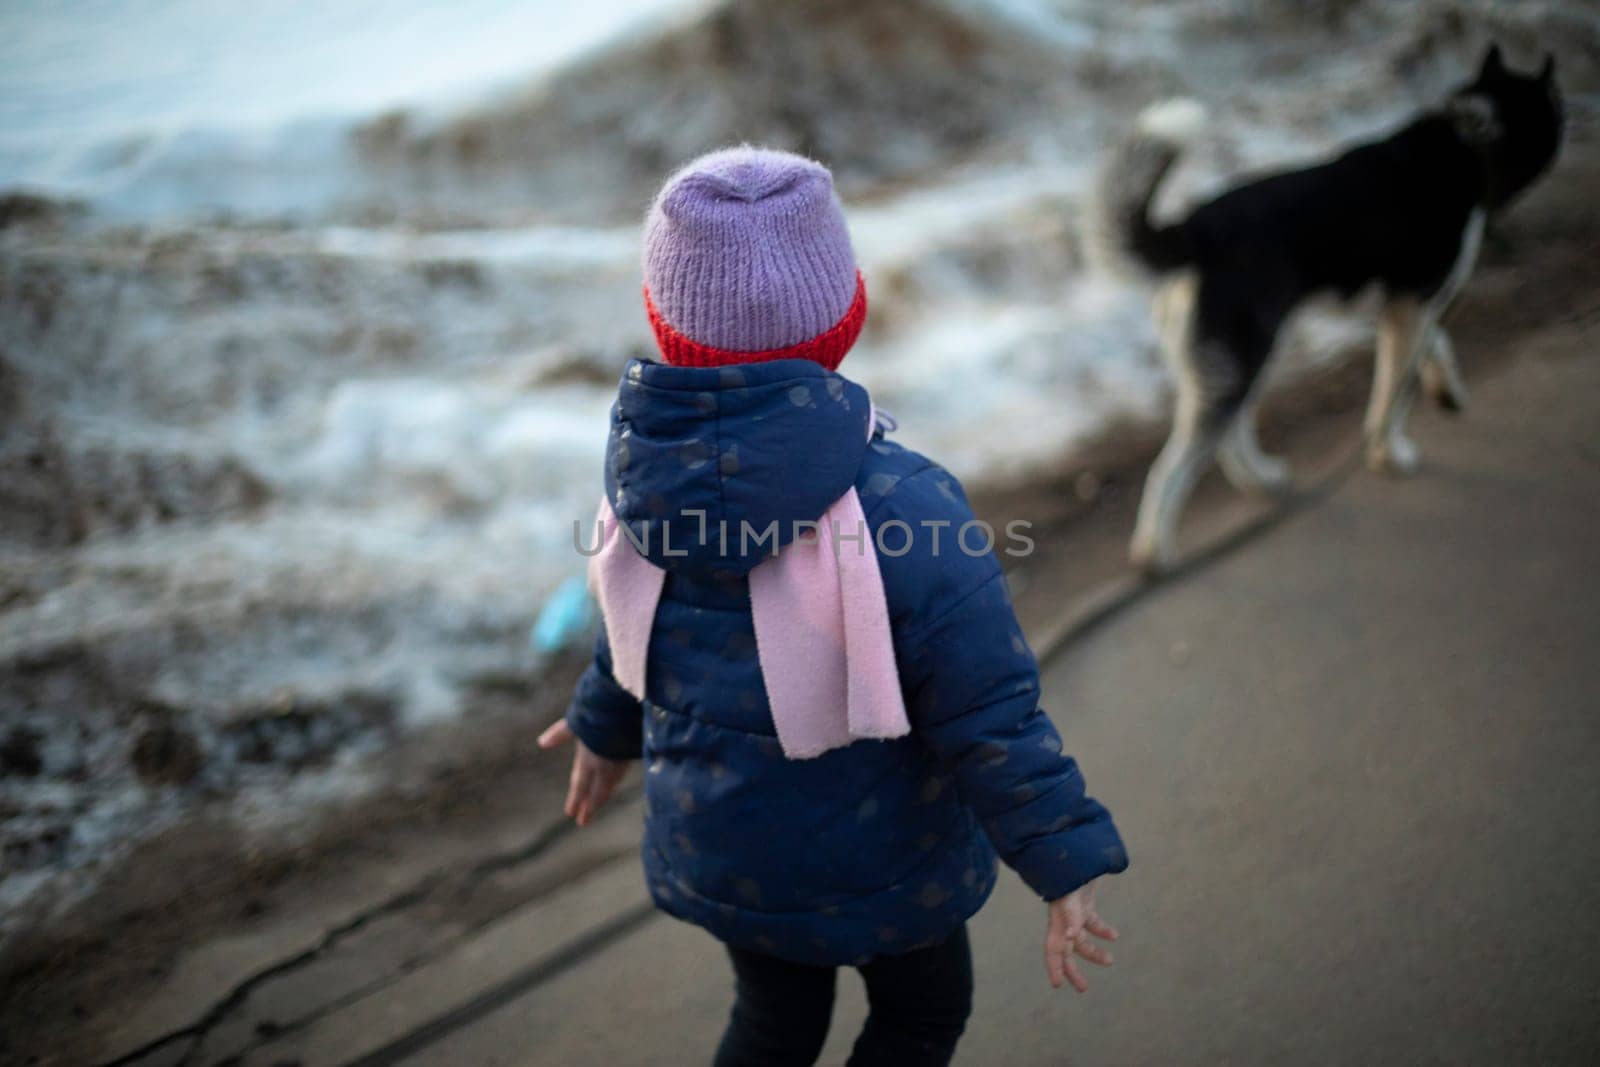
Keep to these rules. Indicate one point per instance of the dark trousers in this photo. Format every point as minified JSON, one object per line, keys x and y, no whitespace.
{"x":918,"y":1005}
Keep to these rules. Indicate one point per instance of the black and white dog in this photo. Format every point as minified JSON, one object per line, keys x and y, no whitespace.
{"x":1405,"y":214}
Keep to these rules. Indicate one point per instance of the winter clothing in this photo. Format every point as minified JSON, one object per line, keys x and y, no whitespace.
{"x":918,"y":1005}
{"x":747,"y":259}
{"x":825,"y":640}
{"x":628,"y":588}
{"x":821,"y":623}
{"x":875,"y":848}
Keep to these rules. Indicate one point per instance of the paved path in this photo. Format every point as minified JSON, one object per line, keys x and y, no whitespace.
{"x":1358,"y":768}
{"x":1356,"y":761}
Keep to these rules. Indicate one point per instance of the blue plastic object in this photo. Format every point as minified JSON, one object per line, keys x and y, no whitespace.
{"x":565,"y":617}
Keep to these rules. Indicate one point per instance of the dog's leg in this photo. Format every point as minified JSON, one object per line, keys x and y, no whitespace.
{"x":1441,"y":375}
{"x":1243,"y":462}
{"x":1195,"y":436}
{"x":1154,"y":542}
{"x":1401,"y":333}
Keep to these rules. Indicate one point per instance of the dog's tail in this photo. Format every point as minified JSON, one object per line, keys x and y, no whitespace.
{"x":1122,"y":238}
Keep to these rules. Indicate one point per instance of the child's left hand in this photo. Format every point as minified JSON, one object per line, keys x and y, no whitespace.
{"x":1072,"y":919}
{"x":594,"y":778}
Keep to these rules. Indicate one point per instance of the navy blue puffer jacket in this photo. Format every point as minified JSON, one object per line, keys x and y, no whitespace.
{"x":879,"y":847}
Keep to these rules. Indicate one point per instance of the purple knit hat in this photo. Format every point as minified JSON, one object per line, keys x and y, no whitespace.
{"x":747,"y":259}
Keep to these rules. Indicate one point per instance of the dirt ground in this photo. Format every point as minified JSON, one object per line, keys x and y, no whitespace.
{"x":80,"y":991}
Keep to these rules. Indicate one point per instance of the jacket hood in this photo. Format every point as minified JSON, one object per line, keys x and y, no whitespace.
{"x":727,"y":452}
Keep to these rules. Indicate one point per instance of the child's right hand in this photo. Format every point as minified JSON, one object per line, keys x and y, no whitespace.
{"x":594,"y":777}
{"x":1072,"y":920}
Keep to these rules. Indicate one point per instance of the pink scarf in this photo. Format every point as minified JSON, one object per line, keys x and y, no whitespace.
{"x":821,"y":622}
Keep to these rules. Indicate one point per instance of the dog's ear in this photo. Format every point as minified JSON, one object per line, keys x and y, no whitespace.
{"x":1494,"y":65}
{"x":1474,"y":118}
{"x":1547,"y":73}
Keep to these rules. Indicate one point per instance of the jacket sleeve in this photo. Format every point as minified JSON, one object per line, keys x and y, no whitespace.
{"x":972,"y":694}
{"x":605,"y":716}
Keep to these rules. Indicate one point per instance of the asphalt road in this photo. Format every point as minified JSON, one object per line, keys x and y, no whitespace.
{"x":1357,"y":764}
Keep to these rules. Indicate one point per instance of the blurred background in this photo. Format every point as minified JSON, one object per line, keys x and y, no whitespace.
{"x":311,"y":315}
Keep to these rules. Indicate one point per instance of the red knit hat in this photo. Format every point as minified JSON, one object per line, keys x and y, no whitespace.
{"x":827,"y":348}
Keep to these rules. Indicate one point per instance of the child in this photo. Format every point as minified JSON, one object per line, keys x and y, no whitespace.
{"x":809,"y":641}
